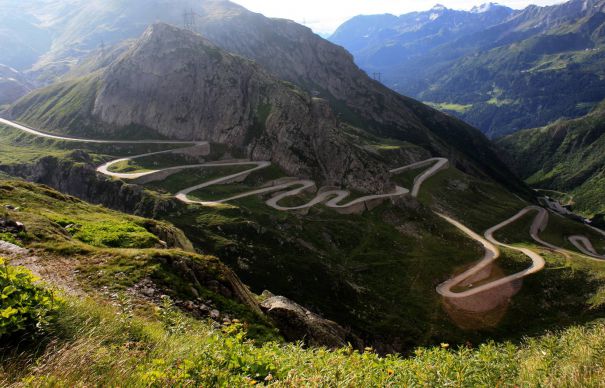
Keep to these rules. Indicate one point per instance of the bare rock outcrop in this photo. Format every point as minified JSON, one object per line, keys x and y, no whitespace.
{"x":296,"y":323}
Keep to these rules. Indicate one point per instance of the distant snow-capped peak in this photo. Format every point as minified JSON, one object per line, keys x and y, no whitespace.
{"x":486,"y":7}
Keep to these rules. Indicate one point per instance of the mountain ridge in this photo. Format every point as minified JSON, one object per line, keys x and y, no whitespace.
{"x":355,"y":99}
{"x":565,"y":156}
{"x":505,"y":74}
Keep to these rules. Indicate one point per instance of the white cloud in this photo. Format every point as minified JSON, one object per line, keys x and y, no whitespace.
{"x":324,"y":16}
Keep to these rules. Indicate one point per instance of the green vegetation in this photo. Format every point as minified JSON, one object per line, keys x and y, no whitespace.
{"x":567,"y":156}
{"x":114,"y":235}
{"x":53,"y":218}
{"x":25,"y":306}
{"x":18,"y":148}
{"x":479,"y":204}
{"x":66,"y":107}
{"x":61,"y":227}
{"x":450,"y":107}
{"x":196,"y":176}
{"x":168,"y":349}
{"x":497,"y":72}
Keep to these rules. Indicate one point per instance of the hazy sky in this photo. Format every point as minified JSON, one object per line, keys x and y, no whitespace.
{"x":324,"y":16}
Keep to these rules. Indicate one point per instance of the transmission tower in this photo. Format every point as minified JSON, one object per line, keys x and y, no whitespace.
{"x":189,"y":20}
{"x":377,"y":77}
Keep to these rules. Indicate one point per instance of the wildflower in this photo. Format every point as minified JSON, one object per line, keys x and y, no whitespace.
{"x":390,"y":372}
{"x":269,"y":377}
{"x":445,"y":345}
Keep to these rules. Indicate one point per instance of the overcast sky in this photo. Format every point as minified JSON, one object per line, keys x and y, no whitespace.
{"x":324,"y":16}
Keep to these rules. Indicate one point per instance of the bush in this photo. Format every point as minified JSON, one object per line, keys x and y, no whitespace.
{"x":23,"y":305}
{"x":111,"y":234}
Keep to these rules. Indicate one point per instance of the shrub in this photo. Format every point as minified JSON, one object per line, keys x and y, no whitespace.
{"x":110,"y":234}
{"x":9,"y":237}
{"x":23,"y":305}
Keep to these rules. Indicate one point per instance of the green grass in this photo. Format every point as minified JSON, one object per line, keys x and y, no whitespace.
{"x":95,"y":344}
{"x":115,"y":235}
{"x":406,"y":178}
{"x":195,"y":176}
{"x":17,"y":147}
{"x":112,"y":251}
{"x":449,"y":106}
{"x":66,"y":108}
{"x":345,"y":256}
{"x":52,"y":218}
{"x":479,"y":204}
{"x":565,"y":156}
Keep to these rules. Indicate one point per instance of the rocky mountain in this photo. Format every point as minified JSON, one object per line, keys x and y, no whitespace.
{"x":271,"y":89}
{"x":174,"y":82}
{"x":567,"y":156}
{"x":289,"y":52}
{"x":84,"y":30}
{"x":13,"y":85}
{"x":382,"y":41}
{"x":503,"y":73}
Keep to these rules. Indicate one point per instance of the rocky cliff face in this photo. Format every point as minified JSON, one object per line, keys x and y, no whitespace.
{"x":182,"y":86}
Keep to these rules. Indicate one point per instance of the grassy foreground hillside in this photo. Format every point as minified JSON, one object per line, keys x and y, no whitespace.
{"x":92,"y":343}
{"x":385,"y":293}
{"x":568,"y":156}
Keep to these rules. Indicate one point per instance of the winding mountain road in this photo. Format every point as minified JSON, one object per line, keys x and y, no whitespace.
{"x":492,"y":253}
{"x":333,"y":198}
{"x":585,"y":246}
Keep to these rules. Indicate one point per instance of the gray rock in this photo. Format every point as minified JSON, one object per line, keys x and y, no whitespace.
{"x":148,"y":291}
{"x":297,"y":323}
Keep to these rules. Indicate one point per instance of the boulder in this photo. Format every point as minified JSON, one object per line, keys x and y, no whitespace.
{"x":296,"y":323}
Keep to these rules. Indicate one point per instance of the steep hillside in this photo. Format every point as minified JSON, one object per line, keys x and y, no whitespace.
{"x":176,"y":84}
{"x":503,"y":74}
{"x":122,"y":347}
{"x":271,"y":94}
{"x":381,"y":41}
{"x":287,"y":50}
{"x":567,"y":156}
{"x":384,"y":293}
{"x":141,"y":310}
{"x":13,"y":85}
{"x":173,"y":83}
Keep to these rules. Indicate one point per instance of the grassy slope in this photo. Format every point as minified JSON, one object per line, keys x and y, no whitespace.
{"x":19,"y":148}
{"x":110,"y":251}
{"x":524,"y":83}
{"x":567,"y":156}
{"x":569,"y":290}
{"x":323,"y":253}
{"x":97,"y":342}
{"x":91,"y":344}
{"x":66,"y":108}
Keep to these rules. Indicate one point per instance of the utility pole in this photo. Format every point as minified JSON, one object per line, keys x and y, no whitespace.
{"x":377,"y":77}
{"x":189,"y":20}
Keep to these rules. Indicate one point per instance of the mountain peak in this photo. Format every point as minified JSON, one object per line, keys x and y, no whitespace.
{"x":439,"y":7}
{"x":485,"y":7}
